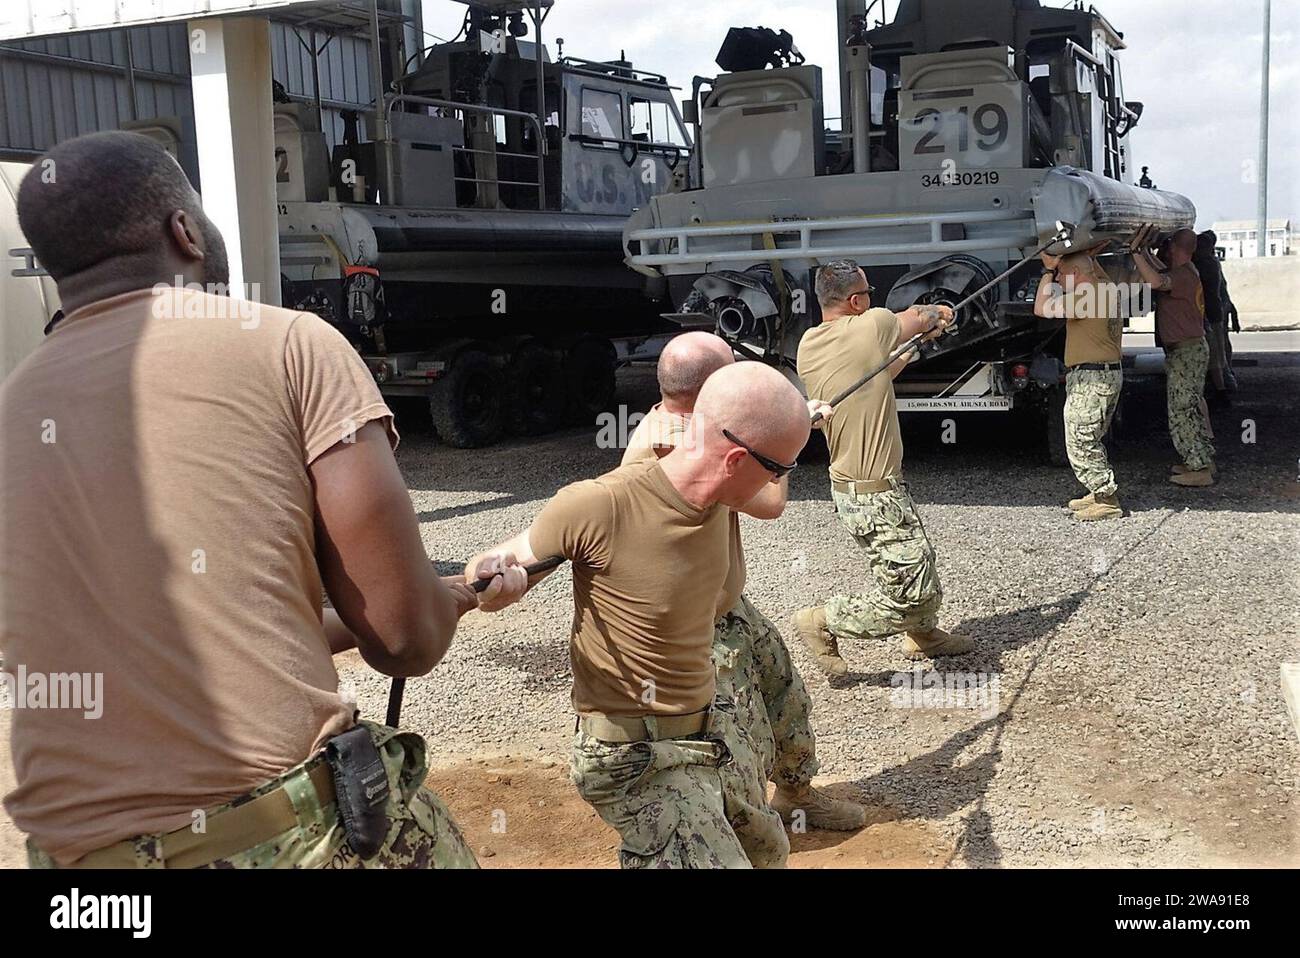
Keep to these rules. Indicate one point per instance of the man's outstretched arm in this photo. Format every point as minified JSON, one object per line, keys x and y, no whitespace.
{"x":505,"y":564}
{"x":931,"y":320}
{"x":386,"y":597}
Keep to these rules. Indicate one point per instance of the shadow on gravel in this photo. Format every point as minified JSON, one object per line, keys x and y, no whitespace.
{"x":544,"y":666}
{"x":952,"y":785}
{"x":1024,"y":626}
{"x":879,"y":680}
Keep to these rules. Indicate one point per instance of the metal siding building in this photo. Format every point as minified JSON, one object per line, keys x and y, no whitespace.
{"x":55,"y":88}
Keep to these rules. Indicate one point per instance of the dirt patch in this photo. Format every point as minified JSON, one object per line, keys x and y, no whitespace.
{"x":517,"y":813}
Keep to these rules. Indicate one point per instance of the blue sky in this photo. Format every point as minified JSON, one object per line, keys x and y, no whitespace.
{"x":1194,"y":63}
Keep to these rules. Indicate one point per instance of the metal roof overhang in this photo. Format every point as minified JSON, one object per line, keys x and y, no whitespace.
{"x":30,"y":19}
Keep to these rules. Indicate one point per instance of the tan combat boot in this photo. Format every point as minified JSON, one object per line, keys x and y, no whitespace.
{"x":1180,"y":470}
{"x":810,"y":624}
{"x":936,"y":642}
{"x":1083,"y":502}
{"x":1198,"y":477}
{"x":819,"y":809}
{"x":1103,"y":507}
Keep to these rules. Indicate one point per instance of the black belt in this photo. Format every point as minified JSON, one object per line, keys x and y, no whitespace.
{"x":1097,"y":366}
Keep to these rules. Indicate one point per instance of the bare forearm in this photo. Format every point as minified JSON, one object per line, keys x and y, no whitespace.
{"x":504,"y":566}
{"x":926,"y":318}
{"x":910,"y":322}
{"x":1047,"y":300}
{"x":901,"y":363}
{"x":1151,"y":270}
{"x":338,"y":635}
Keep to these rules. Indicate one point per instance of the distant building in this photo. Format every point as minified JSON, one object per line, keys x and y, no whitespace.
{"x":1240,"y":238}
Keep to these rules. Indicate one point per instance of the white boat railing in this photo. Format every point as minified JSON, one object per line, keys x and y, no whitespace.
{"x":684,"y":242}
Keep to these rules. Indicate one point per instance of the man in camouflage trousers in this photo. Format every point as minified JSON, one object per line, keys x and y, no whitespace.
{"x":1076,"y":288}
{"x":753,"y":664}
{"x":1180,"y":326}
{"x":870,"y":496}
{"x":659,"y":753}
{"x":421,"y":833}
{"x":683,"y":801}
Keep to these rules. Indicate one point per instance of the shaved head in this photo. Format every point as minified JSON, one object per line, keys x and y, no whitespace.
{"x":1185,"y":240}
{"x":108,"y":199}
{"x":763,"y":410}
{"x":684,"y":365}
{"x":1181,"y":247}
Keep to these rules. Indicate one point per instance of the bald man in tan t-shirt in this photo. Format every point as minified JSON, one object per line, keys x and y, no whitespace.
{"x":751,"y":657}
{"x":658,"y":754}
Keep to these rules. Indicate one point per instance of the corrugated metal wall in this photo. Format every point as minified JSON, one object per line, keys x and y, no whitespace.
{"x":61,"y":87}
{"x":344,"y":72}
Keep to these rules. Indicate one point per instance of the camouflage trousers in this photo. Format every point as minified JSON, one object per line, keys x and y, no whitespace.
{"x":1185,"y":366}
{"x":772,"y":704}
{"x":907,"y":592}
{"x":694,"y":802}
{"x":421,"y":833}
{"x":1091,"y":397}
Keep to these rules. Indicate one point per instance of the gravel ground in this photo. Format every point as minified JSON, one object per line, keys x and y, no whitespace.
{"x":1137,"y":716}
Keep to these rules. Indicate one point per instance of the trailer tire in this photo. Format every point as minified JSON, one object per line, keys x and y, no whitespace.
{"x":1055,"y":432}
{"x":589,"y":378}
{"x":537,"y":393}
{"x":466,"y":404}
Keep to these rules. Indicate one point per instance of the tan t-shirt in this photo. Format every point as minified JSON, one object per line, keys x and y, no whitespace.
{"x":1094,"y":326}
{"x":1180,"y":312}
{"x":648,"y":571}
{"x":156,"y":529}
{"x":657,"y":435}
{"x":863,"y":435}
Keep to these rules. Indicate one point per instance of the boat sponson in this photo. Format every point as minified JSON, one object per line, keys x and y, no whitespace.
{"x":1105,"y":209}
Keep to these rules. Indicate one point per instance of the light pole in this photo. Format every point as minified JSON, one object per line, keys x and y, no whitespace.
{"x":1263,"y":143}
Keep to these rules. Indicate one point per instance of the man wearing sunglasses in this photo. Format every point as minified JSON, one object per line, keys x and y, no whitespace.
{"x":752,"y":660}
{"x":867,"y":474}
{"x":661,"y":757}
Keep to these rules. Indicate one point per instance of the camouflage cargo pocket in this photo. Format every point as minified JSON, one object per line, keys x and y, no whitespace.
{"x":893,"y":519}
{"x":641,"y":788}
{"x":650,"y":827}
{"x":605,"y":773}
{"x":852,"y":513}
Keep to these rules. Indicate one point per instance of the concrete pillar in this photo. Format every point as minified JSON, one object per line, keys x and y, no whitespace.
{"x":230,"y":68}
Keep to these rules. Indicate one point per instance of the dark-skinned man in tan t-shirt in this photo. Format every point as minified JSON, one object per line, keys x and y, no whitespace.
{"x":866,"y":469}
{"x":752,"y":660}
{"x":658,"y":754}
{"x":181,"y":473}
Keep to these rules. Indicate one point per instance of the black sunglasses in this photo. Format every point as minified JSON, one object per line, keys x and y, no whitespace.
{"x":778,"y":470}
{"x":860,"y":292}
